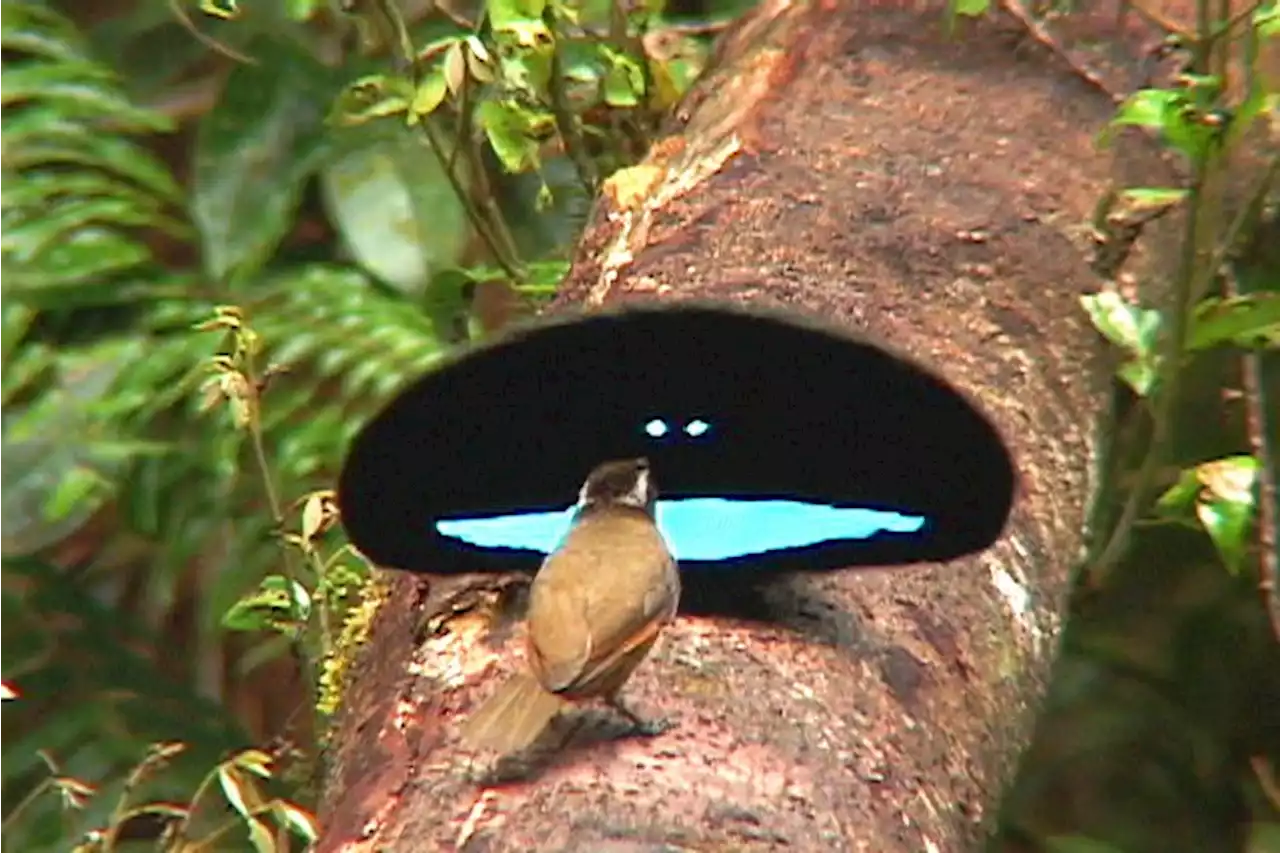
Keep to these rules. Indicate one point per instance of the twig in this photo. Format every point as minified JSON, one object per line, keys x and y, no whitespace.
{"x":1256,"y":423}
{"x":208,"y":41}
{"x":1269,"y":564}
{"x":1165,"y":406}
{"x":1170,"y":27}
{"x":1266,"y":776}
{"x":491,"y":227}
{"x":1042,"y":35}
{"x":478,"y":222}
{"x":566,"y":122}
{"x":298,"y":644}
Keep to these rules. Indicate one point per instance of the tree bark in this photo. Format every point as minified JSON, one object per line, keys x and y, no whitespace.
{"x":927,"y":190}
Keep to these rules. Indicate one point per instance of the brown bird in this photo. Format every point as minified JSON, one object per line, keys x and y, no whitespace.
{"x":596,"y":607}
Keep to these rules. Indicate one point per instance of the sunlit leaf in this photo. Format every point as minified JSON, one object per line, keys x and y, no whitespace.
{"x":1148,"y":108}
{"x":429,"y":95}
{"x":225,"y":9}
{"x":1246,"y":321}
{"x":1141,"y":198}
{"x":1267,"y":19}
{"x":298,"y":820}
{"x":1231,"y":479}
{"x":1181,"y":496}
{"x":371,"y":97}
{"x":395,"y":207}
{"x":255,"y":761}
{"x":263,"y":839}
{"x":278,"y":604}
{"x":80,"y":485}
{"x":1133,"y":329}
{"x":39,"y":31}
{"x":516,"y":16}
{"x":624,"y":80}
{"x":510,"y":130}
{"x":1228,"y":524}
{"x":255,"y":150}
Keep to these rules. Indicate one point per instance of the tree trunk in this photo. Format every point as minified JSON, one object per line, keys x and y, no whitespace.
{"x":930,"y":191}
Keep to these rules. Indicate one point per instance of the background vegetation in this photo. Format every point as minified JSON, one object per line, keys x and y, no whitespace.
{"x":231,"y":231}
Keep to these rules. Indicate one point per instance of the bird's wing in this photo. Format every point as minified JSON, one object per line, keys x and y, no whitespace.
{"x":562,"y":644}
{"x":586,"y":627}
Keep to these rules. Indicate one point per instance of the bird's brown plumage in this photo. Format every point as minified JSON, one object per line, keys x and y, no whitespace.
{"x":596,"y":607}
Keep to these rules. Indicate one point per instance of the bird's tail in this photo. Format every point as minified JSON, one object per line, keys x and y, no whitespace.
{"x":512,"y":718}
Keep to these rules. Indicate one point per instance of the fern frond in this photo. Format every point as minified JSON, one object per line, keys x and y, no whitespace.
{"x":77,"y":190}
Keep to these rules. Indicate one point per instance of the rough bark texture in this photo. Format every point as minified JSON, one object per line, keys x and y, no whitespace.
{"x":933,"y":192}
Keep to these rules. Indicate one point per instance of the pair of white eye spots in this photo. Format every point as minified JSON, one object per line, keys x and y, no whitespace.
{"x":658,"y":428}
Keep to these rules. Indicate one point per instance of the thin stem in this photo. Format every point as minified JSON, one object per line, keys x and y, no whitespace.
{"x":31,"y":797}
{"x":322,"y":610}
{"x":1165,"y":407}
{"x":1192,"y":280}
{"x":1256,"y":416}
{"x":487,"y":234}
{"x":180,"y":831}
{"x":566,"y":121}
{"x":493,"y":232}
{"x":305,"y":662}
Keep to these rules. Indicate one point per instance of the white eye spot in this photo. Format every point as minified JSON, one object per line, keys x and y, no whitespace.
{"x":656,"y":428}
{"x":697,"y":428}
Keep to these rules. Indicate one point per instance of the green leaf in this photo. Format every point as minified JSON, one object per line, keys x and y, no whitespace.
{"x":261,"y":836}
{"x":528,"y":69}
{"x":430,"y":94}
{"x":1078,"y":844}
{"x":255,"y":150}
{"x":1259,"y":102}
{"x":29,"y":239}
{"x":370,"y":97}
{"x":624,"y":79}
{"x":447,"y":304}
{"x":1227,"y":504}
{"x":40,"y":32}
{"x":255,"y":761}
{"x":76,"y":90}
{"x":298,"y":820}
{"x":970,"y":8}
{"x":303,"y":10}
{"x":510,"y":130}
{"x":1246,"y":321}
{"x":1267,"y":20}
{"x":278,"y":604}
{"x":1128,"y":326}
{"x":521,"y":17}
{"x":225,"y":9}
{"x":1132,"y":328}
{"x":1141,"y":376}
{"x":81,"y":490}
{"x":1149,"y":108}
{"x":394,"y":206}
{"x":1228,"y":524}
{"x":1175,"y":114}
{"x":1181,"y":496}
{"x":90,"y":257}
{"x":32,"y":139}
{"x":1152,"y":197}
{"x":1264,"y":837}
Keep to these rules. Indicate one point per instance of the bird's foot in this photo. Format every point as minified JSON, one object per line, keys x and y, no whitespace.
{"x":651,"y":727}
